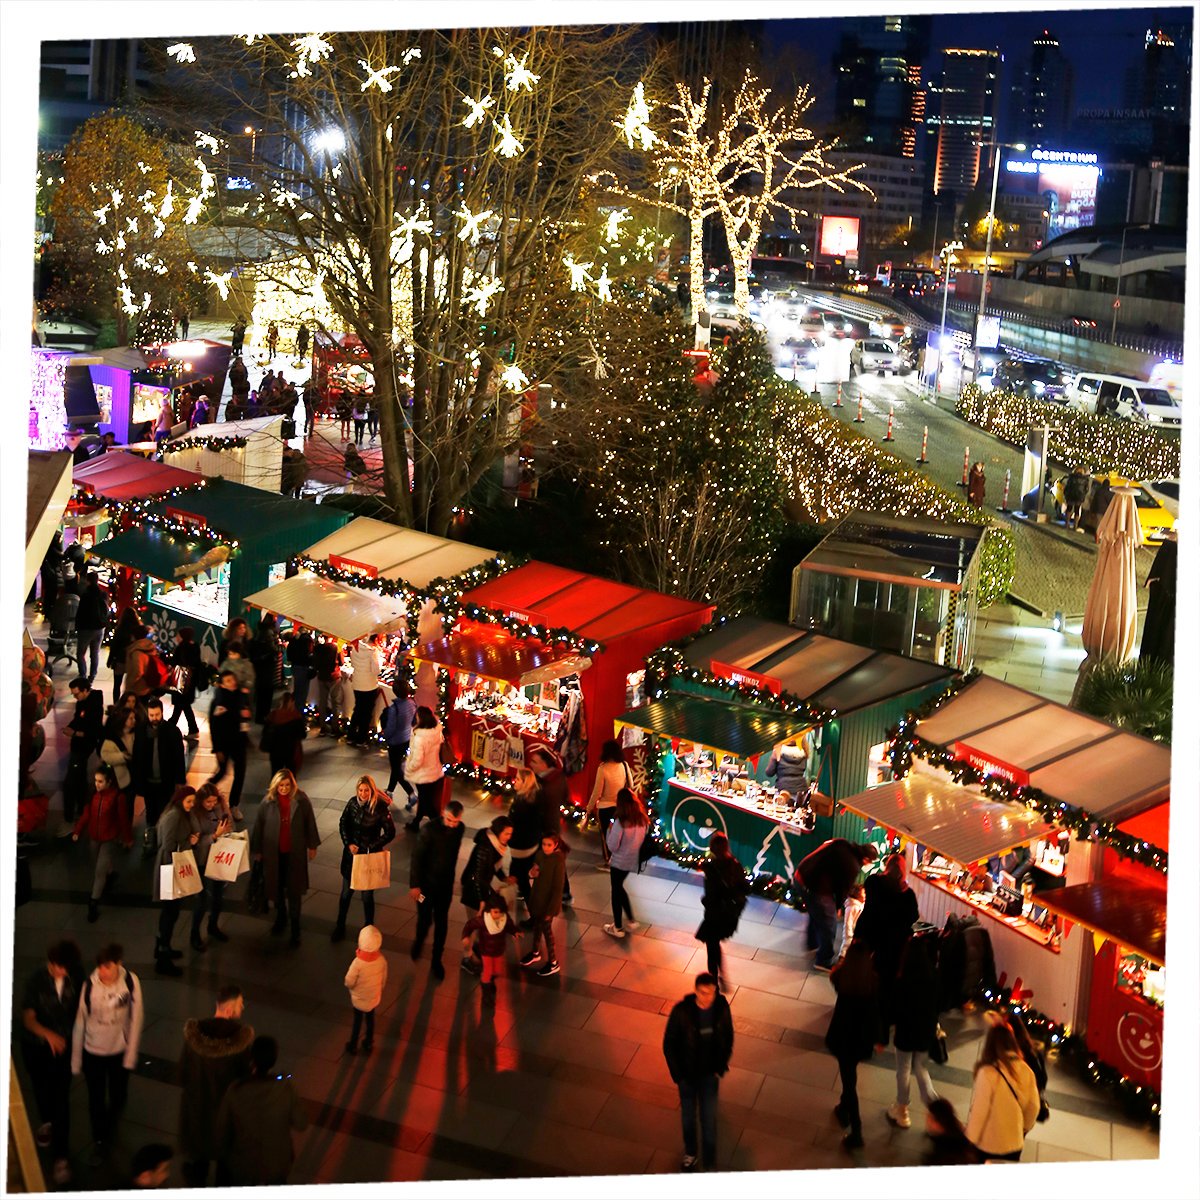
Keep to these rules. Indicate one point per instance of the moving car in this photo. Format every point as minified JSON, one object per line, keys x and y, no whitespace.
{"x":799,"y":352}
{"x":890,"y":328}
{"x":837,"y":324}
{"x":1122,"y":396}
{"x":1037,"y":378}
{"x":875,"y":355}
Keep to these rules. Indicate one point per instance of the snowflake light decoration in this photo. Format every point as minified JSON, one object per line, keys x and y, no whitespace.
{"x":471,"y":223}
{"x":636,"y":123}
{"x":168,"y":203}
{"x":101,"y":214}
{"x":508,"y":146}
{"x":481,"y":294}
{"x":518,"y":75}
{"x":195,"y":204}
{"x":478,"y":110}
{"x":182,"y":52}
{"x":612,"y":226}
{"x":311,"y":48}
{"x":411,"y":53}
{"x":579,"y":273}
{"x":376,"y":78}
{"x":250,"y":38}
{"x":596,"y":362}
{"x":603,"y":288}
{"x":220,"y":282}
{"x":513,"y":378}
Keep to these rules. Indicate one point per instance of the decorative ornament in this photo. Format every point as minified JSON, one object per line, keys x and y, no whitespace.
{"x":603,"y":289}
{"x":471,"y":222}
{"x":311,"y":48}
{"x":579,"y":273}
{"x":508,"y":146}
{"x":636,"y":123}
{"x":182,"y":52}
{"x":480,"y":294}
{"x":478,"y":110}
{"x":518,"y":77}
{"x":513,"y":378}
{"x":376,"y":78}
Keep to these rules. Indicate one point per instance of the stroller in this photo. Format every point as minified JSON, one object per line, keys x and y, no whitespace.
{"x":62,"y":629}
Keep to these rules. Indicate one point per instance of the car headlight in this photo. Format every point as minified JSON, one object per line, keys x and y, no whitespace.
{"x":1038,"y":386}
{"x":908,"y":331}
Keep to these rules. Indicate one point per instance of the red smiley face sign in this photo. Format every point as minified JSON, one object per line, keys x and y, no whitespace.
{"x":1139,"y":1042}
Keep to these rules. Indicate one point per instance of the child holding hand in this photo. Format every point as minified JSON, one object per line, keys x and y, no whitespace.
{"x":493,"y":927}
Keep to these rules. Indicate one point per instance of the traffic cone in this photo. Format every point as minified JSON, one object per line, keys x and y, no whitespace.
{"x":859,"y":419}
{"x":966,"y":466}
{"x":838,"y":402}
{"x":1004,"y":499}
{"x":887,"y":437}
{"x":924,"y":446}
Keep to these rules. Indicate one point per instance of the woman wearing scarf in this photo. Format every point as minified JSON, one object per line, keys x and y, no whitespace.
{"x":284,"y":839}
{"x":366,"y":827}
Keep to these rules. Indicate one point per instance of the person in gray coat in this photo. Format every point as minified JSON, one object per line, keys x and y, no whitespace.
{"x":788,"y":767}
{"x":284,"y":839}
{"x":178,"y":829}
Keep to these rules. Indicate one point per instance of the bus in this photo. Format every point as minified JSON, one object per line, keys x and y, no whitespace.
{"x":913,"y":281}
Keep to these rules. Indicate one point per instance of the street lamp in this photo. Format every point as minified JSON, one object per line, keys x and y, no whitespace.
{"x":987,"y":252}
{"x":329,"y":140}
{"x":947,"y":252}
{"x":252,"y":133}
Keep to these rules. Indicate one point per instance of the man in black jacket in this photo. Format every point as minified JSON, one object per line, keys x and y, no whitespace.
{"x":229,"y":712}
{"x":91,"y":620}
{"x":828,"y":874}
{"x":83,"y":730}
{"x":325,"y":663}
{"x":431,"y":881}
{"x":697,"y":1045}
{"x":159,"y":764}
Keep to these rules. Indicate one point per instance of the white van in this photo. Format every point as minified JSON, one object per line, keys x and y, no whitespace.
{"x":1121,"y":396}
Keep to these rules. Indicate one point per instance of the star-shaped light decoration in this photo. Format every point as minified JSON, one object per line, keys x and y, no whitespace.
{"x":518,"y":75}
{"x":220,"y":282}
{"x":131,"y":224}
{"x":480,"y":295}
{"x":513,"y":378}
{"x":102,"y":247}
{"x":160,"y":227}
{"x":508,"y":146}
{"x":411,"y":53}
{"x":101,"y":214}
{"x":195,"y":204}
{"x":376,"y":78}
{"x":612,"y":225}
{"x":182,"y":52}
{"x":603,"y":288}
{"x":206,"y":141}
{"x":311,"y":48}
{"x":117,"y":197}
{"x":471,"y":223}
{"x":596,"y":362}
{"x":579,"y":273}
{"x":478,"y":110}
{"x":636,"y":123}
{"x":120,"y":242}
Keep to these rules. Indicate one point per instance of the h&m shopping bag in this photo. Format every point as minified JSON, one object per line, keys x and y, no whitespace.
{"x":370,"y":872}
{"x":185,"y":877}
{"x":228,"y":858}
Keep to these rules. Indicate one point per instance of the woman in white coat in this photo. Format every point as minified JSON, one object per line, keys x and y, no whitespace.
{"x":423,"y":767}
{"x":1004,"y":1100}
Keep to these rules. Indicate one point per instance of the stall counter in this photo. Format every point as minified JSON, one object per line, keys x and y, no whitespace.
{"x":478,"y":738}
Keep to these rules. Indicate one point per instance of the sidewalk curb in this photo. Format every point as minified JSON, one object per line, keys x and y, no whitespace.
{"x":1028,"y":605}
{"x":1047,"y":530}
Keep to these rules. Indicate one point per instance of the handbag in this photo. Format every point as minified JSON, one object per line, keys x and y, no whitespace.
{"x":181,"y":678}
{"x":448,"y":758}
{"x":371,"y":872}
{"x":256,"y":892}
{"x":939,"y":1050}
{"x":228,"y":858}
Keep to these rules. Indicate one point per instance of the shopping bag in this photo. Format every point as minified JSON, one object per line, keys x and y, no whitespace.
{"x":497,"y":754}
{"x":186,"y":874}
{"x":227,"y":858}
{"x":516,"y":752}
{"x":369,"y":872}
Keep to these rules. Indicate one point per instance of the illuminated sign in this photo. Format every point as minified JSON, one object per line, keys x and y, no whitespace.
{"x":989,"y":765}
{"x":1064,"y":156}
{"x":738,"y":675}
{"x":1066,"y":182}
{"x":839,"y":236}
{"x":355,"y":567}
{"x":190,"y":520}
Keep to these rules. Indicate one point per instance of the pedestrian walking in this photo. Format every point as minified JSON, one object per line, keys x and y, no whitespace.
{"x":301,"y":341}
{"x":214,"y":823}
{"x":886,"y":924}
{"x":827,"y":875}
{"x":853,"y":1032}
{"x":239,"y":336}
{"x":284,"y":732}
{"x":365,"y":664}
{"x":104,"y":1044}
{"x":1075,"y":492}
{"x":625,"y":837}
{"x":256,"y":1120}
{"x":612,"y":774}
{"x":216,"y":1054}
{"x":272,"y":339}
{"x":917,"y":989}
{"x":325,"y":663}
{"x":489,"y":868}
{"x":145,"y":673}
{"x":159,"y":764}
{"x":366,"y":827}
{"x":285,"y":839}
{"x":184,"y":322}
{"x":423,"y":768}
{"x":83,"y":732}
{"x":178,"y":830}
{"x":372,"y":416}
{"x":186,"y":669}
{"x":1004,"y":1098}
{"x":366,"y":979}
{"x":49,"y":1004}
{"x":491,"y":930}
{"x":546,"y":876}
{"x":91,"y":624}
{"x":299,"y":654}
{"x":117,"y":743}
{"x":312,"y":405}
{"x":265,"y":657}
{"x":201,"y":412}
{"x":698,"y":1044}
{"x":397,"y":728}
{"x":344,"y":410}
{"x":124,"y":634}
{"x":431,"y":881}
{"x":725,"y":893}
{"x":228,"y":720}
{"x":358,"y":414}
{"x":105,"y":822}
{"x":555,"y":796}
{"x":976,"y":485}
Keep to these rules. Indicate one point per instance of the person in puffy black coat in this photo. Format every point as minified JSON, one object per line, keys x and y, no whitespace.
{"x":366,"y":827}
{"x":484,"y":871}
{"x":915,"y":1009}
{"x":431,"y":881}
{"x":853,"y":1031}
{"x":187,"y":656}
{"x":725,"y":892}
{"x":885,"y":924}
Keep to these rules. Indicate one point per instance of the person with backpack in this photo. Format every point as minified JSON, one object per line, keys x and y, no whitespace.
{"x":397,"y":730}
{"x":725,"y":891}
{"x":186,"y":669}
{"x":105,"y":820}
{"x":146,"y":674}
{"x":1004,"y":1098}
{"x":625,"y":837}
{"x":159,"y":764}
{"x":104,"y":1045}
{"x":612,"y":775}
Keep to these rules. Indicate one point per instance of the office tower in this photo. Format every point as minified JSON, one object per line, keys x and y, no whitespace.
{"x":80,"y":79}
{"x":964,"y":118}
{"x":1042,"y":94}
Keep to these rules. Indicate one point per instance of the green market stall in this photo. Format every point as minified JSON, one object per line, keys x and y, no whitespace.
{"x":716,"y":707}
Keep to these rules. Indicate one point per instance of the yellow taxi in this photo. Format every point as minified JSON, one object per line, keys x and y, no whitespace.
{"x":1153,"y":499}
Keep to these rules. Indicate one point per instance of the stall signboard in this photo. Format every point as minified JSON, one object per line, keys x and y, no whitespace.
{"x":352,"y":565}
{"x":990,"y":765}
{"x":527,"y":615}
{"x":190,"y":520}
{"x":741,"y":675}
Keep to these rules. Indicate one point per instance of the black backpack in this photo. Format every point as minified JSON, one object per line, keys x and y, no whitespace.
{"x":87,"y":991}
{"x":650,"y":848}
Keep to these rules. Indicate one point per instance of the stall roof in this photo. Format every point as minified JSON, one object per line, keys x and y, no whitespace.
{"x":248,"y":513}
{"x":1151,"y":826}
{"x":153,"y":551}
{"x":121,"y":476}
{"x":737,"y":729}
{"x":917,"y":551}
{"x":587,"y":605}
{"x":1080,"y":760}
{"x":827,"y":671}
{"x":47,"y":490}
{"x":493,"y":653}
{"x":1132,"y":915}
{"x":227,"y":429}
{"x":958,"y":822}
{"x":402,"y":555}
{"x":347,"y":613}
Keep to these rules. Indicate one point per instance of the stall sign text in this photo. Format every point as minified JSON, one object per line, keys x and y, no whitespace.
{"x":740,"y":675}
{"x":352,"y":565}
{"x":989,"y":765}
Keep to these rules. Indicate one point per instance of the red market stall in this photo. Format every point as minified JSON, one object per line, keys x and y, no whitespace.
{"x":543,"y":654}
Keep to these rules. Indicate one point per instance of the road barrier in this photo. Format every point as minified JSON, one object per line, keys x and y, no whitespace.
{"x":887,"y":437}
{"x":859,"y":419}
{"x":924,"y":446}
{"x":1004,"y":499}
{"x":966,"y":466}
{"x":838,"y":402}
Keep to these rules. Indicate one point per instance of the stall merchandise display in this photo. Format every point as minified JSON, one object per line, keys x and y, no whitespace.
{"x":731,"y":782}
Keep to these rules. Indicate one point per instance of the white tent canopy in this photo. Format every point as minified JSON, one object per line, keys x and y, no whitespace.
{"x":347,"y":613}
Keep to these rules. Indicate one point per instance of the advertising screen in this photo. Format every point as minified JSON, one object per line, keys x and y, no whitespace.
{"x":839,"y":237}
{"x":1066,"y":182}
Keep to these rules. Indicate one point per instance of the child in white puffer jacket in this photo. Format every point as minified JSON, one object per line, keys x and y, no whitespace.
{"x":366,"y":980}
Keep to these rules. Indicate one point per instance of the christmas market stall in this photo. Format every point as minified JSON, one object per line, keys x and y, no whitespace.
{"x":48,"y":490}
{"x":1006,"y":802}
{"x":753,"y":729}
{"x":249,"y":452}
{"x":201,"y":552}
{"x":546,"y":655}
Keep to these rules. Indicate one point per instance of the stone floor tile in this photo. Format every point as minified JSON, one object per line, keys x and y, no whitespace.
{"x":603,"y":1052}
{"x":627,"y":1024}
{"x":640,"y":977}
{"x":778,"y":1010}
{"x":1072,"y":1132}
{"x":470,"y":1116}
{"x":569,"y":1150}
{"x":633,"y":947}
{"x":637,"y":1121}
{"x":1132,"y":1142}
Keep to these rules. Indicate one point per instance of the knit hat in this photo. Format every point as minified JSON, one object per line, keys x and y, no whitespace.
{"x":369,"y":939}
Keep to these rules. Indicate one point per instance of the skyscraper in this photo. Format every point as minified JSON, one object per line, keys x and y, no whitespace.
{"x":1160,"y":77}
{"x":879,"y":99}
{"x":964,"y":101}
{"x":1042,"y":95}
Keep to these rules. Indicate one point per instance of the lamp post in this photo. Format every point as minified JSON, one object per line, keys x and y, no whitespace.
{"x":1112,"y":337}
{"x":947,"y":252}
{"x":987,"y":252}
{"x":253,"y":135}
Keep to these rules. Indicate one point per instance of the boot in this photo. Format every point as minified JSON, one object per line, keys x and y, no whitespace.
{"x":216,"y":933}
{"x":163,"y":965}
{"x":163,"y":950}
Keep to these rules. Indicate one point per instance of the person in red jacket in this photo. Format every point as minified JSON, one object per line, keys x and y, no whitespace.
{"x":105,"y":820}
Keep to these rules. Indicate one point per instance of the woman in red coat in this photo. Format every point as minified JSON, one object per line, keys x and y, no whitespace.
{"x":105,"y":820}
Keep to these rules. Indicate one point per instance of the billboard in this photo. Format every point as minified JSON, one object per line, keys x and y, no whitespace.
{"x":839,"y":237}
{"x":1066,"y":180}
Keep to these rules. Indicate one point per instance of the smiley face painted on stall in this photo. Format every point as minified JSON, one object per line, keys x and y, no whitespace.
{"x":1140,"y":1043}
{"x":694,"y":821}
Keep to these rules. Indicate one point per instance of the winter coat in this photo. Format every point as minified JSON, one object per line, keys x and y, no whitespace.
{"x":89,"y":721}
{"x":686,"y":1058}
{"x":526,"y":817}
{"x":489,"y":944}
{"x":187,"y":654}
{"x":611,"y":777}
{"x":398,"y":722}
{"x":424,"y":763}
{"x":854,"y":1029}
{"x":366,"y":980}
{"x":917,"y":994}
{"x":435,"y":859}
{"x":208,"y":822}
{"x":725,"y":892}
{"x":167,"y":744}
{"x":174,"y":828}
{"x":137,"y":660}
{"x":243,"y":670}
{"x":109,"y":1019}
{"x":264,"y":840}
{"x":1004,"y":1107}
{"x":106,"y":818}
{"x":225,"y":719}
{"x":624,"y":842}
{"x":216,"y":1052}
{"x":369,"y":827}
{"x":93,"y":608}
{"x":254,"y":1130}
{"x":52,"y":1011}
{"x":325,"y":660}
{"x":118,"y":754}
{"x":479,"y":875}
{"x":888,"y":915}
{"x":545,"y":892}
{"x":976,"y":486}
{"x":831,"y":869}
{"x":789,"y":771}
{"x":365,"y":663}
{"x":284,"y":733}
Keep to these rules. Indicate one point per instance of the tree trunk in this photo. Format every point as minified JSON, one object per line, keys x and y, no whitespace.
{"x":696,"y":256}
{"x":741,"y":278}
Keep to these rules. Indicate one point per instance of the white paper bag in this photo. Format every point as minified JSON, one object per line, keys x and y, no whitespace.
{"x":227,"y":858}
{"x":166,"y":882}
{"x":370,"y":872}
{"x":186,"y":874}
